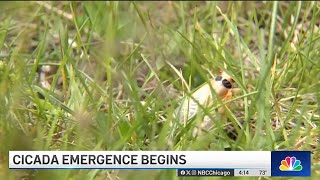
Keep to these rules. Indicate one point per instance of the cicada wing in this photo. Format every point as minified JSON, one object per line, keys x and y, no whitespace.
{"x":190,"y":105}
{"x":187,"y":109}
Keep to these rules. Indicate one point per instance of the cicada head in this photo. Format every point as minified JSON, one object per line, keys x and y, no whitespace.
{"x":223,"y":83}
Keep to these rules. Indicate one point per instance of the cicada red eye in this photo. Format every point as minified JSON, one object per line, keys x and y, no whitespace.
{"x":226,"y":84}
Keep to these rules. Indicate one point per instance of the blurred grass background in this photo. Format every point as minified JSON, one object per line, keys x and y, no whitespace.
{"x":123,"y":65}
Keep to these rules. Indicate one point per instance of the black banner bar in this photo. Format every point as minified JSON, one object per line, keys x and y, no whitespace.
{"x":205,"y":172}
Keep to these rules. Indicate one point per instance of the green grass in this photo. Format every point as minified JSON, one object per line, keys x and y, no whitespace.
{"x":143,"y":57}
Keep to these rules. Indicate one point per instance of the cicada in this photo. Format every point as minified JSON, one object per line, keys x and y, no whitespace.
{"x":203,"y":97}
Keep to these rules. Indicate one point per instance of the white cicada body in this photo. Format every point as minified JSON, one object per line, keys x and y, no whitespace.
{"x":204,"y":97}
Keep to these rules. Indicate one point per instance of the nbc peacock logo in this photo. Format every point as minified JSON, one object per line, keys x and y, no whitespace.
{"x":290,"y":164}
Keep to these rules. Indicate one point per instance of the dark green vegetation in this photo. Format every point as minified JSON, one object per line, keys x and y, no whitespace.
{"x":141,"y":57}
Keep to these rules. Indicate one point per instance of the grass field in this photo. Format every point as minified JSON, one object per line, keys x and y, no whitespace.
{"x":124,"y":66}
